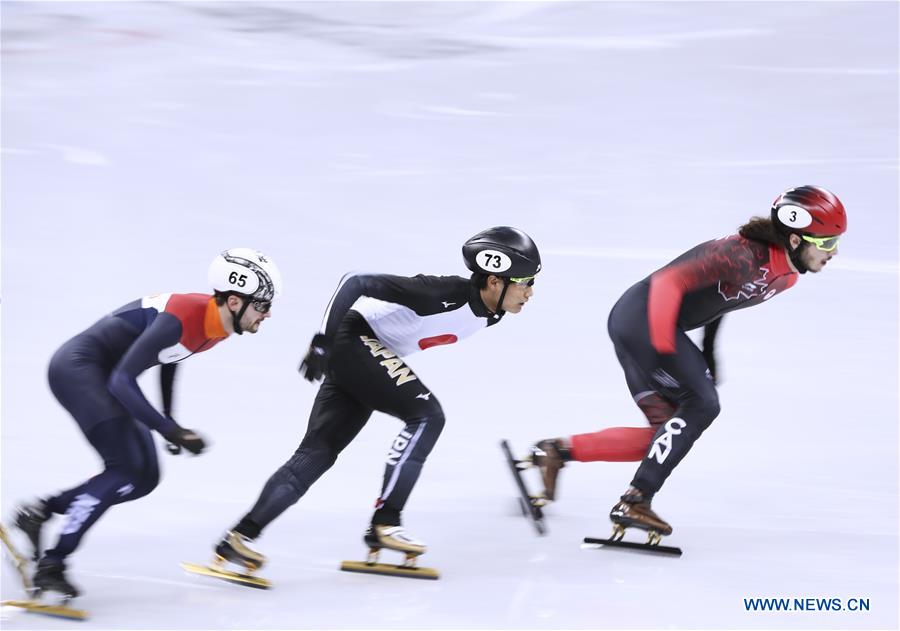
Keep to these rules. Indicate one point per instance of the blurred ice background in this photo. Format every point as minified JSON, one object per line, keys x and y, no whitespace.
{"x":140,"y":139}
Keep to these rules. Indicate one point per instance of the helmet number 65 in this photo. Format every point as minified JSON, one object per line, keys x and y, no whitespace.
{"x":237,"y":279}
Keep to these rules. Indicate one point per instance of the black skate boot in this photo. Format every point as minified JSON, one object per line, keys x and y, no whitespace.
{"x":550,"y":456}
{"x":633,"y":511}
{"x":50,"y":577}
{"x":30,"y":518}
{"x":233,"y":548}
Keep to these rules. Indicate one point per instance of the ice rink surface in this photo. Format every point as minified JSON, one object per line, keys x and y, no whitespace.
{"x":141,"y":139}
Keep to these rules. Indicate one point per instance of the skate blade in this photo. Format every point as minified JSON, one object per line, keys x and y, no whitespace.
{"x":19,"y":561}
{"x":386,"y":569}
{"x":57,"y":611}
{"x":529,"y":504}
{"x":225,"y":575}
{"x":630,"y":545}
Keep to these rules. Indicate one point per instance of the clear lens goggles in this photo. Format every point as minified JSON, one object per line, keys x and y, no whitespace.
{"x":525,"y":281}
{"x":826,"y":244}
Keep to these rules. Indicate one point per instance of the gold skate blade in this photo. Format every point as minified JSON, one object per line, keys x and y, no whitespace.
{"x":18,"y":560}
{"x":58,"y":611}
{"x":225,"y":575}
{"x":630,"y":545}
{"x":386,"y":569}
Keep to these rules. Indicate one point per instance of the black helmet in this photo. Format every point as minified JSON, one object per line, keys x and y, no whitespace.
{"x":502,"y":251}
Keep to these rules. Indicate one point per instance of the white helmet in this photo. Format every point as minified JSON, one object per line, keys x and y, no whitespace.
{"x":246,"y":271}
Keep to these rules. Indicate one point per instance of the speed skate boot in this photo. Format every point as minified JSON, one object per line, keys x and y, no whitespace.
{"x":633,"y":511}
{"x":50,"y":577}
{"x":234,"y":549}
{"x":380,"y":536}
{"x":30,"y":518}
{"x":550,"y":456}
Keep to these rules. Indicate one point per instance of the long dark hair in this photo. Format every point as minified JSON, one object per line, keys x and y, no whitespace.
{"x":763,"y":229}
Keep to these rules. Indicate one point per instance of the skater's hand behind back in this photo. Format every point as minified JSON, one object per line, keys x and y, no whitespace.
{"x":313,"y":366}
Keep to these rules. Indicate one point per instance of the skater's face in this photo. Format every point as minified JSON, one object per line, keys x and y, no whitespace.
{"x":517,"y":294}
{"x":253,"y":317}
{"x":813,"y":258}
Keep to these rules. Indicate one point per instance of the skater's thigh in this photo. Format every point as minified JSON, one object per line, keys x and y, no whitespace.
{"x":78,"y":380}
{"x":125,"y":443}
{"x":687,"y":366}
{"x":382,"y":381}
{"x":679,"y":378}
{"x":335,"y":419}
{"x":636,"y":378}
{"x":630,"y":334}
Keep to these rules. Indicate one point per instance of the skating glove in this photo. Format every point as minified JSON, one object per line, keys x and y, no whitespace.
{"x":313,"y":366}
{"x":187,"y":438}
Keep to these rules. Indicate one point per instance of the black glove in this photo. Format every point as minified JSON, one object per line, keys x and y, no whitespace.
{"x":315,"y":363}
{"x":187,"y":438}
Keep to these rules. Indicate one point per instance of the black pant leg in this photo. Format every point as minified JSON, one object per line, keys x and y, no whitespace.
{"x":384,"y":382}
{"x":684,"y":378}
{"x":131,"y":471}
{"x":681,"y":378}
{"x":335,"y":420}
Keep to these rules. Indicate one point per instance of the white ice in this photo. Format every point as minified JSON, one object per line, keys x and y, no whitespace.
{"x":141,"y":139}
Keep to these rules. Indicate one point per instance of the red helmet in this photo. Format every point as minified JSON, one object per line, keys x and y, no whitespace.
{"x":810,"y":210}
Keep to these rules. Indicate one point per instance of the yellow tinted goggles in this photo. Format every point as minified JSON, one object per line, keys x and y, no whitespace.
{"x":525,"y":281}
{"x":826,"y":244}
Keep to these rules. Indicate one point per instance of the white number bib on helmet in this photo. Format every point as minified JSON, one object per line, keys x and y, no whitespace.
{"x":794,"y":216}
{"x":240,"y":278}
{"x":493,"y":262}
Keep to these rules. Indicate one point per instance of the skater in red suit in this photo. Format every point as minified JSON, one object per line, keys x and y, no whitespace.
{"x":673,"y":381}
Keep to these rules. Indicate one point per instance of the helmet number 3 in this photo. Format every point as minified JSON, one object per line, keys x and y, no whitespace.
{"x":493,"y":262}
{"x":794,"y":216}
{"x":237,"y":279}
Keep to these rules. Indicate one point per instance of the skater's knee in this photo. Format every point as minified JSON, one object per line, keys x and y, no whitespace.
{"x":711,"y":409}
{"x":303,"y":469}
{"x":317,"y":455}
{"x":124,"y":484}
{"x":702,"y":411}
{"x":436,"y":421}
{"x":415,"y":441}
{"x":149,"y":480}
{"x":432,"y":421}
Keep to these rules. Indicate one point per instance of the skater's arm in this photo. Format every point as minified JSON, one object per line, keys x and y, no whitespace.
{"x":165,"y":331}
{"x":709,"y":344}
{"x":420,"y":293}
{"x":167,"y":384}
{"x":668,"y":287}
